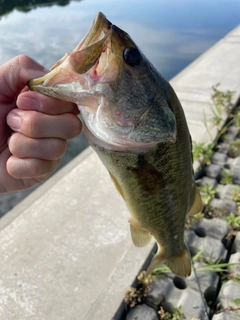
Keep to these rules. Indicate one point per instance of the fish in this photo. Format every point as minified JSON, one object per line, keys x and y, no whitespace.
{"x":136,"y":124}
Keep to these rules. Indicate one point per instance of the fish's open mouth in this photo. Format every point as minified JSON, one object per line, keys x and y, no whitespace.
{"x":105,"y":75}
{"x":85,"y":64}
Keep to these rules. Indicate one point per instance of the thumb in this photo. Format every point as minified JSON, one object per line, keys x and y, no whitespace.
{"x":15,"y":75}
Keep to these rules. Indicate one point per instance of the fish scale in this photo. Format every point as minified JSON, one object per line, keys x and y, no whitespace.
{"x":136,"y":124}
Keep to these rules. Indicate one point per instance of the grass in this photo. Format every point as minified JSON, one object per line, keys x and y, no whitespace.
{"x":177,"y":314}
{"x":221,"y":105}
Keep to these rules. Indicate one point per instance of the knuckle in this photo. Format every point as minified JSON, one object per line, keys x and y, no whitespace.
{"x":15,"y":144}
{"x":33,"y":167}
{"x":76,"y":126}
{"x":58,"y":148}
{"x":30,"y":124}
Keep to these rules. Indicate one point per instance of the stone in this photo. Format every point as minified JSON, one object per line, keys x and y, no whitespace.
{"x":207,"y":180}
{"x":227,"y":191}
{"x":223,"y":147}
{"x":223,"y":207}
{"x":192,"y":304}
{"x":215,"y":228}
{"x":230,"y":291}
{"x":236,"y":176}
{"x":235,"y":269}
{"x":213,"y":171}
{"x":155,"y":296}
{"x":219,"y":158}
{"x":142,"y":312}
{"x":233,"y":129}
{"x":236,"y":163}
{"x":236,"y":244}
{"x":228,"y":137}
{"x":226,"y":315}
{"x":212,"y":248}
{"x":177,"y":292}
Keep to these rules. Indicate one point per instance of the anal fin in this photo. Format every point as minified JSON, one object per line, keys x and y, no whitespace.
{"x":140,"y":237}
{"x":197,"y":205}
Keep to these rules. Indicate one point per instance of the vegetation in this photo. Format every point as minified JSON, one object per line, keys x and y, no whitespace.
{"x":208,"y":193}
{"x":226,"y":177}
{"x":233,"y":221}
{"x":222,"y":104}
{"x":202,"y":152}
{"x":177,"y":314}
{"x":222,"y":100}
{"x":134,"y":296}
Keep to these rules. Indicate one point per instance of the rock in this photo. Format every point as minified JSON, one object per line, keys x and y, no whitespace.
{"x":142,"y":312}
{"x":223,"y":147}
{"x":207,"y":180}
{"x":230,"y":291}
{"x":236,"y":176}
{"x":235,"y":258}
{"x":236,"y":244}
{"x":215,"y":228}
{"x":219,"y":158}
{"x":223,"y":207}
{"x":213,"y":171}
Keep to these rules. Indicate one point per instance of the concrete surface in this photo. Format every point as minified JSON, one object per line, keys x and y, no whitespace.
{"x":65,"y":250}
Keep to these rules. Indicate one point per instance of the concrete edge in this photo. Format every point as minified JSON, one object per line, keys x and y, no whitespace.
{"x":48,"y":184}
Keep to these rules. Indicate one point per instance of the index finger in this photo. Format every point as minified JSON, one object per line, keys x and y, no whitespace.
{"x":30,"y":100}
{"x":15,"y":75}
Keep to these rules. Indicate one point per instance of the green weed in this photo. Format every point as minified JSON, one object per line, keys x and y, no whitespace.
{"x":207,"y":192}
{"x":233,"y":221}
{"x":226,"y":177}
{"x":202,"y":152}
{"x":177,"y":314}
{"x":222,"y":99}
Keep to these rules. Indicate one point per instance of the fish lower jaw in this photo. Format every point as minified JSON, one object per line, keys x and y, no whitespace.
{"x":114,"y":144}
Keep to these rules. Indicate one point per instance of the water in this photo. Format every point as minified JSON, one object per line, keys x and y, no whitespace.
{"x":171,"y":33}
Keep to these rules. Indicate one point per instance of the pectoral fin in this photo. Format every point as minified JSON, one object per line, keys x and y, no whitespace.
{"x":140,"y":237}
{"x":197,"y":203}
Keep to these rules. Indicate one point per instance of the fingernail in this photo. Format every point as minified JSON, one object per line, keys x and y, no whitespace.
{"x":14,"y":120}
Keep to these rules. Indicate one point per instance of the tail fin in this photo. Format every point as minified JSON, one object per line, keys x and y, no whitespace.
{"x":180,"y":264}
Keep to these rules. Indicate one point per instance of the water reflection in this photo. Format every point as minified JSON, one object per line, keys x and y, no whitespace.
{"x":7,"y":6}
{"x":171,"y":33}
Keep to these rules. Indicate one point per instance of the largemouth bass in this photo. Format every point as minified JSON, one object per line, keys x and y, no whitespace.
{"x":135,"y":122}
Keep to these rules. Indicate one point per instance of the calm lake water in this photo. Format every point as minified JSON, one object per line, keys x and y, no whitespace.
{"x":171,"y":33}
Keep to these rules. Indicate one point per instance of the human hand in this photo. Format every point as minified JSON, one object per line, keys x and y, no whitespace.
{"x":34,"y":128}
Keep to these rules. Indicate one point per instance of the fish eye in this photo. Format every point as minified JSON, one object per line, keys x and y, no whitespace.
{"x":132,"y":56}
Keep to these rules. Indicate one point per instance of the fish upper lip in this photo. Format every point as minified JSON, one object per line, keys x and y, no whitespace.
{"x":98,"y":41}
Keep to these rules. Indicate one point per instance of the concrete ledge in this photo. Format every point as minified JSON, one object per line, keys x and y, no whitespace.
{"x":219,"y":64}
{"x":66,"y":251}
